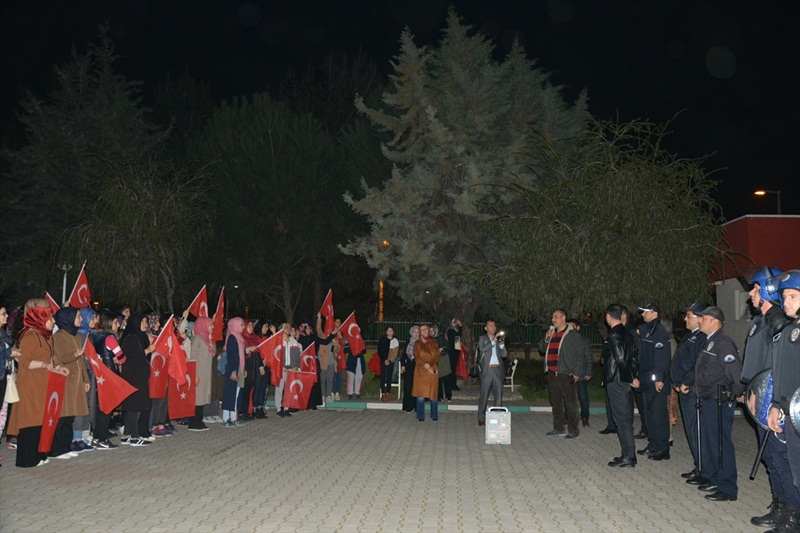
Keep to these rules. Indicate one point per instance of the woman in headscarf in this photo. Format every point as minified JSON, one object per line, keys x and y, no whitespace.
{"x":136,"y":371}
{"x":68,"y":352}
{"x":35,"y":363}
{"x":89,"y":322}
{"x":388,"y":348}
{"x":104,"y":340}
{"x":234,"y":371}
{"x":426,"y":373}
{"x":407,"y":367}
{"x":305,"y":336}
{"x":251,"y":364}
{"x":8,"y":357}
{"x":202,"y":351}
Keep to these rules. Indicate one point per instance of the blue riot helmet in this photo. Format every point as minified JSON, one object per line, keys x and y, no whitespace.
{"x":762,"y":277}
{"x":789,"y":280}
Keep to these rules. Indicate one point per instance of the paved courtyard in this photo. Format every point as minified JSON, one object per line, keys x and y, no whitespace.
{"x":368,"y":470}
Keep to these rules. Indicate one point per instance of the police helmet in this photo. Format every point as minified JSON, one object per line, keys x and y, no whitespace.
{"x":789,"y":280}
{"x":767,"y":291}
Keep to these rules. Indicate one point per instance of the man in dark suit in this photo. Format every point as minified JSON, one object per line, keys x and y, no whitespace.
{"x":491,"y":353}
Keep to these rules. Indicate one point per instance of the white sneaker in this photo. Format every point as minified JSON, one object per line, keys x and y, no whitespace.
{"x":218,"y":419}
{"x":43,"y":461}
{"x":67,"y":455}
{"x":139,"y":442}
{"x":125,"y":440}
{"x":336,"y":397}
{"x":209,"y":420}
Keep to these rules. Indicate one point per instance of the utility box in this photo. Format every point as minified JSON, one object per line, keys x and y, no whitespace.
{"x":498,"y":425}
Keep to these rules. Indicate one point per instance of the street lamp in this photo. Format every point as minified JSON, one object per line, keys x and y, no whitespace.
{"x":762,"y":192}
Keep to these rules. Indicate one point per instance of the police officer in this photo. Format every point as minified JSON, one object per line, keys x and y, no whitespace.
{"x":655,"y":353}
{"x":757,"y":358}
{"x":718,"y":375}
{"x":786,"y":380}
{"x":682,"y":376}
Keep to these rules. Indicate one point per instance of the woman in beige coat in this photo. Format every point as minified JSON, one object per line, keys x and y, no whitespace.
{"x":426,"y":373}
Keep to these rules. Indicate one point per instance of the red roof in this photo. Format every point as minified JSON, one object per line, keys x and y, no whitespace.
{"x":758,"y":240}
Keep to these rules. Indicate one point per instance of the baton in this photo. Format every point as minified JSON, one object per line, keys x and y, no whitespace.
{"x":719,"y":423}
{"x":758,"y":457}
{"x":666,"y":373}
{"x":699,"y":444}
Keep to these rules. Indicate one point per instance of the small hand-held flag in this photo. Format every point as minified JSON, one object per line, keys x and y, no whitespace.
{"x":352,"y":332}
{"x":167,"y":344}
{"x":53,"y":304}
{"x":80,"y":295}
{"x":297,"y":389}
{"x":56,"y":382}
{"x":180,"y":402}
{"x":327,"y":312}
{"x":271,"y":351}
{"x":219,"y":316}
{"x":199,"y":306}
{"x":308,"y":360}
{"x":111,"y":389}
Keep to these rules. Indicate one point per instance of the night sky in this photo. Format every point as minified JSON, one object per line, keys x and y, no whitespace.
{"x":732,"y":69}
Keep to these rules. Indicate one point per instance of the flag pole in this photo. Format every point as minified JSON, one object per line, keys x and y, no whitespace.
{"x":76,"y":281}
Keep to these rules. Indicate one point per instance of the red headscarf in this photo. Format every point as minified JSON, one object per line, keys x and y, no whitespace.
{"x":36,"y":319}
{"x":202,"y":328}
{"x":250,"y":339}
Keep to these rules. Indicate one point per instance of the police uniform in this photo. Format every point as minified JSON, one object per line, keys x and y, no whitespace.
{"x":758,"y":356}
{"x":682,"y":373}
{"x":718,"y":364}
{"x":786,"y":380}
{"x":654,"y":358}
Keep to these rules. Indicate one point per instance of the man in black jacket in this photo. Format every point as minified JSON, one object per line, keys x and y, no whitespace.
{"x":621,"y":375}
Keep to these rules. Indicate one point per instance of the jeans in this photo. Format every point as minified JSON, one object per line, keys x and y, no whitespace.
{"x":421,"y":409}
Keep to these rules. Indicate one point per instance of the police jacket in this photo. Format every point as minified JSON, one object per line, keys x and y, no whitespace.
{"x":718,"y":363}
{"x":655,"y":353}
{"x":620,"y":357}
{"x":682,"y":371}
{"x":758,"y":347}
{"x":786,"y":365}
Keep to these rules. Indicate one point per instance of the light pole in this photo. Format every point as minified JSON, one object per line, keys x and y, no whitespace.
{"x":763,"y":192}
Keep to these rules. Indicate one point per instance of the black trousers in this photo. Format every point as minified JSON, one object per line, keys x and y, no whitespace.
{"x":688,"y":404}
{"x":657,"y":419}
{"x":62,"y":439}
{"x":102,"y":420}
{"x":28,"y":447}
{"x":386,"y":375}
{"x":409,"y":402}
{"x":640,"y":407}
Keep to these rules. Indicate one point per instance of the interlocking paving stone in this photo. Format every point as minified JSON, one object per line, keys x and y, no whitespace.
{"x":370,"y":470}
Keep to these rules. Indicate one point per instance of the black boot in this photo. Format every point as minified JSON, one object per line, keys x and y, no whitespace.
{"x":789,"y":521}
{"x":771,"y":518}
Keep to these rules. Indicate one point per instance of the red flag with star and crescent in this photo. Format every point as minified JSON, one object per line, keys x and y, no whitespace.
{"x":53,"y":304}
{"x":199,"y":306}
{"x":352,"y":332}
{"x":327,"y":312}
{"x":168,"y":344}
{"x":219,"y":315}
{"x":111,"y":388}
{"x":181,"y":397}
{"x":297,"y":389}
{"x":56,"y":382}
{"x":308,"y":360}
{"x":159,"y":379}
{"x":81,"y":296}
{"x":271,"y":351}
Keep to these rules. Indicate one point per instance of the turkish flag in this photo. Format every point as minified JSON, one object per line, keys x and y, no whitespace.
{"x":159,"y":379}
{"x":461,"y":365}
{"x":271,"y":351}
{"x":80,"y":295}
{"x":199,"y":306}
{"x":56,"y":382}
{"x":53,"y":304}
{"x":327,"y":312}
{"x":167,"y":343}
{"x":308,"y":360}
{"x":297,"y":389}
{"x":111,"y":389}
{"x":341,"y":357}
{"x":219,"y":316}
{"x":352,"y":333}
{"x":181,"y":397}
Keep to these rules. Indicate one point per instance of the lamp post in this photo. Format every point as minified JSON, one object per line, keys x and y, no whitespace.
{"x":763,"y":192}
{"x":66,"y":268}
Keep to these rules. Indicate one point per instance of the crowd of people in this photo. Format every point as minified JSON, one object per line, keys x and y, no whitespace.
{"x":706,"y":378}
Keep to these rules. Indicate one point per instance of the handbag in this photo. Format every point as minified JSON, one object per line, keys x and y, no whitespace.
{"x":12,"y":394}
{"x":475,"y":369}
{"x":221,"y":365}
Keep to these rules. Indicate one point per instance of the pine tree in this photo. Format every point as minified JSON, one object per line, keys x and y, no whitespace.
{"x":459,"y":124}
